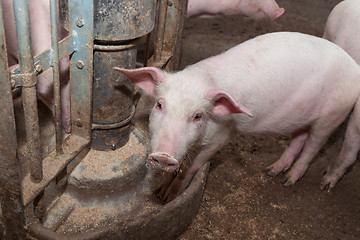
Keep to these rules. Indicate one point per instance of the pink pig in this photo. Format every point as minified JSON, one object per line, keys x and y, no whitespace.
{"x":256,"y":9}
{"x":286,"y":83}
{"x":41,"y":40}
{"x":342,"y":29}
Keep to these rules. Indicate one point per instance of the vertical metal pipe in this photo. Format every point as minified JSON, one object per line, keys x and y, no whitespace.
{"x":56,"y":77}
{"x":12,"y":210}
{"x":147,"y":49}
{"x":175,"y":19}
{"x":22,"y":19}
{"x":160,"y":29}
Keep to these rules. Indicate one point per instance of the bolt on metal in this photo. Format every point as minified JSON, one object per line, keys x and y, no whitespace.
{"x":79,"y":22}
{"x":80,"y":64}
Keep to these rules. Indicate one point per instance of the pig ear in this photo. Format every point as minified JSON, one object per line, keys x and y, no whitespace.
{"x":224,"y":104}
{"x":279,"y":13}
{"x":145,"y":78}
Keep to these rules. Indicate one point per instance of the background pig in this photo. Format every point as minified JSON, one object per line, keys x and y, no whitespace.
{"x":256,"y":9}
{"x":41,"y":40}
{"x":342,"y":28}
{"x":287,"y":83}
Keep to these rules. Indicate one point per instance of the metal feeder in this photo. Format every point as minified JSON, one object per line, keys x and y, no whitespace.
{"x":94,"y":184}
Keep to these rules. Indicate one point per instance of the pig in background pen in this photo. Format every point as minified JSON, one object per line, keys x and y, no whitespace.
{"x":255,"y":9}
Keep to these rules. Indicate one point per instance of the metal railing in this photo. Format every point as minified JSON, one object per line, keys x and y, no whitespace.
{"x":20,"y":188}
{"x":23,"y":189}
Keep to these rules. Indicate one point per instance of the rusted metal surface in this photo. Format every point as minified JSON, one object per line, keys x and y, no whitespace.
{"x":176,"y":15}
{"x":53,"y":164}
{"x":130,"y":19}
{"x":43,"y":62}
{"x":12,"y":215}
{"x":21,"y":12}
{"x":80,"y":44}
{"x":55,"y":60}
{"x":114,"y":105}
{"x":168,"y":35}
{"x":81,"y":67}
{"x":116,"y":24}
{"x":160,"y":30}
{"x":113,"y":98}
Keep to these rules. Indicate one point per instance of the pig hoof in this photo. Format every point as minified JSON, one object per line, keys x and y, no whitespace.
{"x":288,"y":183}
{"x":326,"y":187}
{"x":328,"y":183}
{"x":276,"y":168}
{"x":272,"y":173}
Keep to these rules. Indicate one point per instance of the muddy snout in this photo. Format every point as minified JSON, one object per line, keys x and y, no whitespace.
{"x":164,"y":161}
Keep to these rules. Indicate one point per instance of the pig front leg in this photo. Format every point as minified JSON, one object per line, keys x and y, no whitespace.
{"x":348,"y":153}
{"x":173,"y":185}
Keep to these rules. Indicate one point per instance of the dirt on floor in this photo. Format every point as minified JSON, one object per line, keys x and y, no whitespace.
{"x":240,"y":200}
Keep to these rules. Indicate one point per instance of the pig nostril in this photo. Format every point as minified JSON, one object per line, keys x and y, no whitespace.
{"x":154,"y":160}
{"x":163,"y":162}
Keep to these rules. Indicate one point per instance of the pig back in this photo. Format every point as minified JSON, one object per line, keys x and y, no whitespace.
{"x":286,"y":80}
{"x":342,"y":27}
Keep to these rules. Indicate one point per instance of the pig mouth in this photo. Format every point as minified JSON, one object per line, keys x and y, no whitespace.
{"x":164,"y":161}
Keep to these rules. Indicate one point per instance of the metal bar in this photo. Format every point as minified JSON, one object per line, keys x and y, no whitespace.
{"x":124,"y":122}
{"x":147,"y":49}
{"x":21,"y":11}
{"x":10,"y":184}
{"x":81,"y":65}
{"x":56,"y":76}
{"x":110,"y":48}
{"x":53,"y":165}
{"x":42,"y":61}
{"x":175,"y":18}
{"x":160,"y":29}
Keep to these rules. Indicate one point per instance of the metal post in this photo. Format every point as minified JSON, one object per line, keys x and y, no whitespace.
{"x":55,"y":61}
{"x":10,"y":184}
{"x":81,"y":66}
{"x":160,"y":29}
{"x":28,"y":75}
{"x":116,"y":25}
{"x":175,"y":17}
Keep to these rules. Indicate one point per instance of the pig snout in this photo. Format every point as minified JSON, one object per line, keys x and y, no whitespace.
{"x":164,"y":161}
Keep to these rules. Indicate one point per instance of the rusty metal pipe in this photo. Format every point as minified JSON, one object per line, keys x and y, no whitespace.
{"x":28,"y":75}
{"x":160,"y":29}
{"x":147,"y":50}
{"x":56,"y":75}
{"x":12,"y":214}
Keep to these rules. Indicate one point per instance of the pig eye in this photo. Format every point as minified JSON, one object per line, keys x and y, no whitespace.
{"x":197,"y":117}
{"x":158,"y":106}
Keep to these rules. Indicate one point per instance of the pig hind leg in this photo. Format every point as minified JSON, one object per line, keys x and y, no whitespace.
{"x":348,"y":153}
{"x":45,"y":92}
{"x":317,"y":137}
{"x":288,"y":157}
